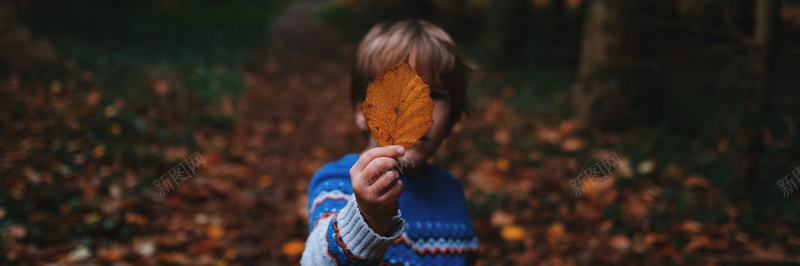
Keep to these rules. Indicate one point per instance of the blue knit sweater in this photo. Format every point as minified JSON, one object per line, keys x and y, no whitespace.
{"x":433,"y":226}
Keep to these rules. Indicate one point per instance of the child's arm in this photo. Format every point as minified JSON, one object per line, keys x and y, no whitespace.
{"x":377,"y":186}
{"x":348,"y":236}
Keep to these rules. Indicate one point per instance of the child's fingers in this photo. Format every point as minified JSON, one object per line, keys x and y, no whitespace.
{"x":377,"y":168}
{"x":384,"y":183}
{"x":394,"y":191}
{"x":367,"y":157}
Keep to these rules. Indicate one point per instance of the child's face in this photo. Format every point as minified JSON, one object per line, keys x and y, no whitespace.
{"x":427,"y":146}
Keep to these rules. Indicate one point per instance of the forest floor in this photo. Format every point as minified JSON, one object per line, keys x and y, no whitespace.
{"x":94,"y":150}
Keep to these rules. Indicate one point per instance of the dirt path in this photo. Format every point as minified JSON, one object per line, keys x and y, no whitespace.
{"x":296,"y":118}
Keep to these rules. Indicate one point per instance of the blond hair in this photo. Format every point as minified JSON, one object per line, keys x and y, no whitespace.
{"x":430,"y":47}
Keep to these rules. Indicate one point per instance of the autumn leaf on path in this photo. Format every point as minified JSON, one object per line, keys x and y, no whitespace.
{"x":398,"y":108}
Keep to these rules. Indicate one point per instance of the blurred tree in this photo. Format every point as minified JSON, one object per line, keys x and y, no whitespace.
{"x":399,"y":10}
{"x":559,"y":22}
{"x":604,"y":51}
{"x":760,"y":97}
{"x":505,"y":33}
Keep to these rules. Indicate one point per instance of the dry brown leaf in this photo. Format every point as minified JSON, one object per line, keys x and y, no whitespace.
{"x":653,"y":238}
{"x":502,"y":218}
{"x":116,"y":129}
{"x":501,"y":136}
{"x":230,"y":254}
{"x":691,"y":227}
{"x":205,"y":246}
{"x":554,"y":232}
{"x":135,"y":218}
{"x":113,"y":253}
{"x":568,"y":126}
{"x":696,"y":181}
{"x":646,"y":166}
{"x":99,"y":151}
{"x":293,"y":248}
{"x":161,"y":87}
{"x":512,"y":233}
{"x":398,"y":107}
{"x":502,"y":164}
{"x":572,"y":144}
{"x":698,"y":242}
{"x":215,"y":232}
{"x":619,"y":242}
{"x":93,"y":98}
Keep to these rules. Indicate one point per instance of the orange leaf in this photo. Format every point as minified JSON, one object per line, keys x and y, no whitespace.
{"x":512,"y":233}
{"x":93,"y":98}
{"x":99,"y":151}
{"x":691,"y":227}
{"x":698,"y":242}
{"x":398,"y":107}
{"x":215,"y":232}
{"x":293,"y":248}
{"x":619,"y":242}
{"x":555,"y":231}
{"x":116,"y":129}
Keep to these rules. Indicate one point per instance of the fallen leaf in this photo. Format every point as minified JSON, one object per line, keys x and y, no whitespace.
{"x":619,"y":242}
{"x":116,"y":129}
{"x":698,"y":242}
{"x":512,"y":233}
{"x":319,"y":152}
{"x":554,"y":232}
{"x":548,"y":135}
{"x":161,"y":87}
{"x":293,"y":248}
{"x":572,"y":144}
{"x":14,"y":232}
{"x":93,"y":98}
{"x":696,"y":181}
{"x":691,"y":227}
{"x":230,"y":254}
{"x":501,"y":136}
{"x":113,"y":253}
{"x":502,"y":164}
{"x":145,"y":247}
{"x":398,"y":107}
{"x":568,"y":126}
{"x":99,"y":151}
{"x":653,"y":238}
{"x":215,"y":232}
{"x":502,"y":218}
{"x":91,"y":218}
{"x":80,"y":253}
{"x":265,"y":181}
{"x":135,"y":218}
{"x":646,"y":166}
{"x":205,"y":246}
{"x":55,"y":86}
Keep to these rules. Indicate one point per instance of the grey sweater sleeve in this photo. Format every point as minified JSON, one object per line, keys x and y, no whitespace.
{"x":345,"y":238}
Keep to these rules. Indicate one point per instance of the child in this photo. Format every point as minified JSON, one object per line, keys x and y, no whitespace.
{"x":387,"y":205}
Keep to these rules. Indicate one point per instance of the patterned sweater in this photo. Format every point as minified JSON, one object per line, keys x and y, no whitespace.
{"x":433,"y":226}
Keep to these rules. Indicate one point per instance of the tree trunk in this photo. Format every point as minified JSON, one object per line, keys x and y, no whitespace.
{"x":760,"y":107}
{"x":603,"y":53}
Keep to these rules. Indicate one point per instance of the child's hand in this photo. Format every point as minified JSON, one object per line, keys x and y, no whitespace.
{"x":377,"y":186}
